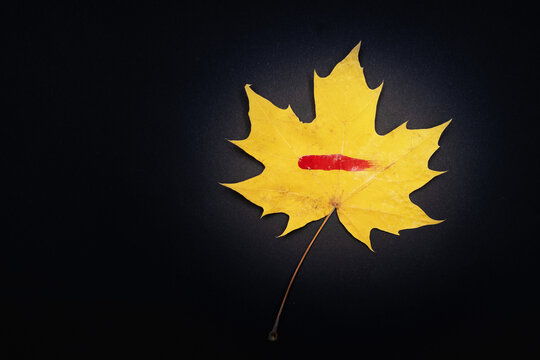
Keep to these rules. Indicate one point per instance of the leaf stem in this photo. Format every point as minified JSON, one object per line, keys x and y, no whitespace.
{"x":272,"y":336}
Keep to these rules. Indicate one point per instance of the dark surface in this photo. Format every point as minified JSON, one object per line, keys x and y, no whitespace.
{"x":119,"y":241}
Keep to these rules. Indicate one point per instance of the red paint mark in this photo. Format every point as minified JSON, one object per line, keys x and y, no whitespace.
{"x":333,"y":162}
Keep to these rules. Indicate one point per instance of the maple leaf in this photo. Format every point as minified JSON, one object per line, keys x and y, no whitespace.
{"x":338,"y":161}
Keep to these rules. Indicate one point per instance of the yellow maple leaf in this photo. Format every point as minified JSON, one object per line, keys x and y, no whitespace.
{"x":338,"y":161}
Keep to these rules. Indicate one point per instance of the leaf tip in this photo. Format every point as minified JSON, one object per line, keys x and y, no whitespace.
{"x":368,"y":244}
{"x":433,"y":222}
{"x":440,"y":128}
{"x":287,"y":230}
{"x":356,"y":48}
{"x":353,"y":55}
{"x":232,"y":186}
{"x":248,"y":88}
{"x":264,"y":213}
{"x":445,"y":124}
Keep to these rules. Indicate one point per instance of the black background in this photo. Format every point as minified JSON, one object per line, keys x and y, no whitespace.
{"x":120,"y":242}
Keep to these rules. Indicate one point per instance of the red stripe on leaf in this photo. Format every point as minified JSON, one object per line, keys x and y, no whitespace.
{"x":333,"y":162}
